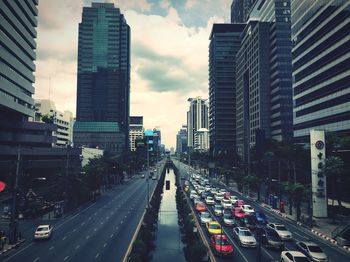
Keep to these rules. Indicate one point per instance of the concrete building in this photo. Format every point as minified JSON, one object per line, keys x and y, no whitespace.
{"x":321,"y":67}
{"x":181,"y":140}
{"x":253,"y":86}
{"x":197,"y":117}
{"x":240,"y":10}
{"x":201,"y":139}
{"x":103,"y":80}
{"x":136,"y":130}
{"x":63,"y":120}
{"x":223,"y":47}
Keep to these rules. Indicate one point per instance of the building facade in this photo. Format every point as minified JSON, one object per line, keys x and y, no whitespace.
{"x":181,"y":140}
{"x":197,"y":117}
{"x":240,"y":10}
{"x":201,"y":139}
{"x":223,"y":47}
{"x":253,"y":86}
{"x":321,"y":66}
{"x":63,"y":120}
{"x":136,"y":130}
{"x":103,"y":86}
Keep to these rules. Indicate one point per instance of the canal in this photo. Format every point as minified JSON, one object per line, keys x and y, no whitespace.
{"x":168,"y":238}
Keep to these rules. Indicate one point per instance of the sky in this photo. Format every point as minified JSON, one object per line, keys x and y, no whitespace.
{"x":169,"y":55}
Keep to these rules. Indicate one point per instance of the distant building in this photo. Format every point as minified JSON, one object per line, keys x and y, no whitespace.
{"x":201,"y":139}
{"x":136,"y":130}
{"x":197,"y":117}
{"x":321,"y":67}
{"x":103,"y":84}
{"x":181,"y":140}
{"x":240,"y":10}
{"x":63,"y":120}
{"x":223,"y":47}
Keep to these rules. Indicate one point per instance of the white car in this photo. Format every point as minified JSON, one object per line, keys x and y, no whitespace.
{"x":293,"y":256}
{"x":312,"y":250}
{"x":228,"y":219}
{"x":200,"y":189}
{"x":219,"y":197}
{"x":209,"y":200}
{"x":234,"y":199}
{"x":247,"y":209}
{"x":281,"y":230}
{"x":193,"y":195}
{"x":244,"y":237}
{"x":205,"y":217}
{"x":43,"y":232}
{"x":218,"y":210}
{"x":207,"y":188}
{"x":226,"y":204}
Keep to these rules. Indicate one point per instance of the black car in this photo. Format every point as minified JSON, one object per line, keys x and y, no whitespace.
{"x":269,"y":238}
{"x":247,"y":221}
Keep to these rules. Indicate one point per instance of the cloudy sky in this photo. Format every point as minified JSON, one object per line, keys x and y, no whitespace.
{"x":169,"y":55}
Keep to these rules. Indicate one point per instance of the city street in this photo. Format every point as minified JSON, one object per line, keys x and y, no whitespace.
{"x":100,"y":232}
{"x":299,"y":234}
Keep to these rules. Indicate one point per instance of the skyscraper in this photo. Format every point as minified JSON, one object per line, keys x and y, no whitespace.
{"x":103,"y":87}
{"x":240,"y":10}
{"x":181,"y":140}
{"x":321,"y":66}
{"x":197,"y":117}
{"x":224,"y":44}
{"x":136,"y":131}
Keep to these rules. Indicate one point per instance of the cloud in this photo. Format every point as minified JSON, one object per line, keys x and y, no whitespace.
{"x":190,"y":3}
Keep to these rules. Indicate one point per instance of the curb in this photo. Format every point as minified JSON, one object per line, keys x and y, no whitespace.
{"x":10,"y":247}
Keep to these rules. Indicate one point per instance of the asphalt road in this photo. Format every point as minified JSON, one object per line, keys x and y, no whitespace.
{"x":335,"y":254}
{"x":101,"y":231}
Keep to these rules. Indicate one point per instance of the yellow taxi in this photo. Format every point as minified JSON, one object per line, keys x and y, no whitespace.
{"x":214,"y":228}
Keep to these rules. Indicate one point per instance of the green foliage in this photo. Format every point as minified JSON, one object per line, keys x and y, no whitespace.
{"x":47,"y":119}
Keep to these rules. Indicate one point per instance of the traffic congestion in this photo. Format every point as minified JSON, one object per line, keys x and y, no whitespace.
{"x":238,"y":228}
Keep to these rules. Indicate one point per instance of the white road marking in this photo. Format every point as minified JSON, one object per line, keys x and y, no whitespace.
{"x":66,"y":258}
{"x":105,"y":244}
{"x":83,"y":223}
{"x":95,"y":229}
{"x":19,"y":251}
{"x":77,"y":246}
{"x":64,"y":237}
{"x":51,"y":248}
{"x":300,"y":235}
{"x":101,"y":223}
{"x":97,"y":255}
{"x":111,"y":236}
{"x":36,"y":259}
{"x":87,"y":237}
{"x":74,"y":229}
{"x":116,"y":228}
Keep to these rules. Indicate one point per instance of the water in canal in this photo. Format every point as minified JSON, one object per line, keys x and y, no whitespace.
{"x":168,"y":240}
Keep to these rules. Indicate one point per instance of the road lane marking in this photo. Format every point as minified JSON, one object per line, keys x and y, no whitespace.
{"x":36,"y":259}
{"x":87,"y":237}
{"x":101,"y":223}
{"x":112,"y":235}
{"x":74,"y":229}
{"x":19,"y":251}
{"x":105,"y":244}
{"x":83,"y":223}
{"x":64,"y":238}
{"x":116,"y":228}
{"x":66,"y":258}
{"x":300,"y":235}
{"x":51,"y":248}
{"x":77,"y":246}
{"x":97,"y":255}
{"x":95,"y":229}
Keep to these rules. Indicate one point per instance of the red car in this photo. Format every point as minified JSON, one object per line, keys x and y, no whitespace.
{"x":227,"y":195}
{"x":221,"y":245}
{"x":200,"y":207}
{"x":239,"y":203}
{"x":238,"y":212}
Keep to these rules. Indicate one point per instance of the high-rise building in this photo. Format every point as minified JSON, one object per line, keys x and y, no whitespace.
{"x":253,"y":86}
{"x":103,"y":86}
{"x":46,"y":110}
{"x":201,"y":139}
{"x":240,"y":10}
{"x":197,"y":117}
{"x":136,"y":131}
{"x":18,"y":22}
{"x":321,"y":66}
{"x":224,"y":44}
{"x":181,"y":140}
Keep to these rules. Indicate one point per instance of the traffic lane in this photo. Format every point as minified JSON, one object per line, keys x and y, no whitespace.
{"x":70,"y":225}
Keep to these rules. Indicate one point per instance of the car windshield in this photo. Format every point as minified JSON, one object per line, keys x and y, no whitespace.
{"x":250,"y":220}
{"x":239,"y":211}
{"x":227,"y":216}
{"x":205,"y":215}
{"x":200,"y":204}
{"x":42,"y":229}
{"x":301,"y":259}
{"x":209,"y":198}
{"x":214,"y":226}
{"x":245,"y":233}
{"x":281,"y":228}
{"x":222,"y":241}
{"x":272,"y":233}
{"x":247,"y":207}
{"x":315,"y":249}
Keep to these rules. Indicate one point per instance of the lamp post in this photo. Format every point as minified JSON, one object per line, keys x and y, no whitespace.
{"x":148,"y":173}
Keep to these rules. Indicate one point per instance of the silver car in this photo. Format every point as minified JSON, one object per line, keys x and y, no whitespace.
{"x":281,"y":230}
{"x":209,"y":200}
{"x":205,"y":217}
{"x":228,"y":219}
{"x":244,"y":237}
{"x":313,"y":251}
{"x":218,"y":210}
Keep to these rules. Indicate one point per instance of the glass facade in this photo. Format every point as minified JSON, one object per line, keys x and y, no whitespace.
{"x":223,"y":47}
{"x":197,"y":117}
{"x":321,"y":66}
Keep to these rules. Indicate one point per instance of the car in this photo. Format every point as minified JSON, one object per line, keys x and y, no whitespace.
{"x":248,"y":209}
{"x":239,"y":203}
{"x":244,"y":237}
{"x":209,"y":200}
{"x":269,"y":238}
{"x":154,"y":177}
{"x":227,"y":195}
{"x":261,"y":218}
{"x":281,"y":230}
{"x":293,"y":256}
{"x":219,"y":196}
{"x":238,"y":212}
{"x":228,"y":219}
{"x":193,"y":194}
{"x":207,"y":188}
{"x":221,"y":245}
{"x":200,"y":207}
{"x":143,"y":176}
{"x":312,"y":251}
{"x":43,"y":232}
{"x":204,"y":194}
{"x":205,"y":217}
{"x":218,"y":210}
{"x":187,"y":183}
{"x":234,"y":199}
{"x":247,"y":221}
{"x":226,"y":204}
{"x":196,"y":200}
{"x":200,"y":189}
{"x":214,"y":228}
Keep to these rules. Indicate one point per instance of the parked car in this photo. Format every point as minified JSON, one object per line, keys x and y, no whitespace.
{"x":209,"y":200}
{"x":281,"y":230}
{"x":244,"y":237}
{"x":312,"y":251}
{"x":261,"y":218}
{"x":248,"y":209}
{"x":238,"y":212}
{"x":214,"y":228}
{"x":221,"y":245}
{"x":43,"y":232}
{"x":226,"y":204}
{"x":247,"y":221}
{"x":200,"y":207}
{"x":205,"y":217}
{"x":218,"y":210}
{"x":268,"y":237}
{"x":293,"y":256}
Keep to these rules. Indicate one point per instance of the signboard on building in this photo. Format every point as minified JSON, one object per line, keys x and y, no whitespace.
{"x":318,"y":178}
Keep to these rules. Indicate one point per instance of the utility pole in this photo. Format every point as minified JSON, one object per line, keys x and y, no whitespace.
{"x":279,"y":183}
{"x":148,"y":173}
{"x":189,"y":160}
{"x":66,"y":179}
{"x":13,"y":221}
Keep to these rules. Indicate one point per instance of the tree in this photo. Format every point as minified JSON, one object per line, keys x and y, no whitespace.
{"x":253,"y":182}
{"x":298,"y":194}
{"x":47,"y":119}
{"x":288,"y":190}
